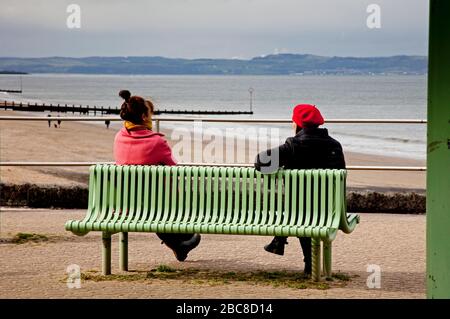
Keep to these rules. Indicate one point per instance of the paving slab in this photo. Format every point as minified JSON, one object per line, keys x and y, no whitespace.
{"x":394,"y":243}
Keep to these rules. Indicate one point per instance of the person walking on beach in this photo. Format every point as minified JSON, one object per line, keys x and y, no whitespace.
{"x":137,"y":144}
{"x":49,"y":122}
{"x":310,"y":148}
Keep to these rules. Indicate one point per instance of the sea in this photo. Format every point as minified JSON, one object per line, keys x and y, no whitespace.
{"x":269,"y":97}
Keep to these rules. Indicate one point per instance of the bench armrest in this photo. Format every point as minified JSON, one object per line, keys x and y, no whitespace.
{"x":348,"y":222}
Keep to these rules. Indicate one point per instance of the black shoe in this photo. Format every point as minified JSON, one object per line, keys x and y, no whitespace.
{"x":187,"y":245}
{"x":182,"y":249}
{"x":276,"y":246}
{"x":307,"y":271}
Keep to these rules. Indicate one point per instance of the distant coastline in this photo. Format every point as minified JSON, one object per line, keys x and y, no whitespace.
{"x":278,"y":64}
{"x":12,"y":72}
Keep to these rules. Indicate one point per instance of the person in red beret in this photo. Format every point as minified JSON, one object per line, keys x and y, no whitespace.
{"x":310,"y":148}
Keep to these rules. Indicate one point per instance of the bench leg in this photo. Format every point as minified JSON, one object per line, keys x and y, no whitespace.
{"x":327,"y":258}
{"x":106,"y":253}
{"x":123,"y":251}
{"x":315,"y":262}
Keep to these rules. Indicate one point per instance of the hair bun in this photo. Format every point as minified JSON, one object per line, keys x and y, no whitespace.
{"x":125,"y":94}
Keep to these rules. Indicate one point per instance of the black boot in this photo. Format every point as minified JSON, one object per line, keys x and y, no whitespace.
{"x":187,"y":245}
{"x":276,"y":246}
{"x":181,"y":244}
{"x":307,"y":271}
{"x":305,"y":242}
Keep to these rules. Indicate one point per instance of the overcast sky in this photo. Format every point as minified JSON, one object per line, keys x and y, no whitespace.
{"x":212,"y":28}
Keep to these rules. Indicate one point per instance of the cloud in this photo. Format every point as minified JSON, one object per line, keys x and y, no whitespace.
{"x":226,"y":28}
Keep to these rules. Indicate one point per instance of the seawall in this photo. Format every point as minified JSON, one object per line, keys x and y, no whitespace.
{"x":360,"y":201}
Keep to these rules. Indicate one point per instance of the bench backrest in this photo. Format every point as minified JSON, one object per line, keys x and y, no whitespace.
{"x":220,"y":195}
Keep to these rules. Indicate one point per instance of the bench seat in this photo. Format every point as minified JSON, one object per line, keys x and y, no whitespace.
{"x":216,"y":200}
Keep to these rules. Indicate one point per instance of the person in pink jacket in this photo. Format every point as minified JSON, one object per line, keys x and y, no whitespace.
{"x":137,"y":144}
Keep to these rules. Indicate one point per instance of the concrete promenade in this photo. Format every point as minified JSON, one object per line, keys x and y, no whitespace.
{"x":396,"y":243}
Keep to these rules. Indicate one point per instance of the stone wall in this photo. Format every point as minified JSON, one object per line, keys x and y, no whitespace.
{"x":38,"y":196}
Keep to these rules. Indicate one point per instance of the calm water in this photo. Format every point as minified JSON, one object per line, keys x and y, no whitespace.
{"x":358,"y":97}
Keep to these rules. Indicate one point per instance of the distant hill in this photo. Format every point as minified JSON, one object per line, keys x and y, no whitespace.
{"x":279,"y":64}
{"x":11,"y":72}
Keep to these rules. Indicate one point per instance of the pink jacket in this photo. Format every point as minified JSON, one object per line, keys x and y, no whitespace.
{"x":141,"y":147}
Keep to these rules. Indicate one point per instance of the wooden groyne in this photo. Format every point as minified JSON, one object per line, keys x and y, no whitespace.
{"x":11,"y":91}
{"x":86,"y":110}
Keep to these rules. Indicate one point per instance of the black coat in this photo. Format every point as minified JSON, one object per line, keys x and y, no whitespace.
{"x":311,"y":148}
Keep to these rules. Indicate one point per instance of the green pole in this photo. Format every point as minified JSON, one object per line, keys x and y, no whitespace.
{"x":438,"y":152}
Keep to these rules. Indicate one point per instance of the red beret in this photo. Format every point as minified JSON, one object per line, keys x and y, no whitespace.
{"x":307,"y":115}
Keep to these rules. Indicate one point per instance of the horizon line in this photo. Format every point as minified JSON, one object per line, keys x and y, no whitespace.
{"x":211,"y":58}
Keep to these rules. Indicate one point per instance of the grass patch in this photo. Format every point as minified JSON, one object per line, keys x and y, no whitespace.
{"x":22,"y":238}
{"x":341,"y":276}
{"x":122,"y":277}
{"x":284,"y":279}
{"x":164,"y":268}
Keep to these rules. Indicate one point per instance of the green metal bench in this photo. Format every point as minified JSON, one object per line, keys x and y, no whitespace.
{"x":216,"y":200}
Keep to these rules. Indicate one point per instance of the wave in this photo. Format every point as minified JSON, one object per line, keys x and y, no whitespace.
{"x":285,"y":132}
{"x":384,"y":138}
{"x":403,"y":140}
{"x":10,"y":97}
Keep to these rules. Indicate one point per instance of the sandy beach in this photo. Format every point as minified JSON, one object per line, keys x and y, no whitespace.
{"x":80,"y":142}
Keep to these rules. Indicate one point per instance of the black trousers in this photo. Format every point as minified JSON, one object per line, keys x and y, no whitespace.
{"x":305,"y":242}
